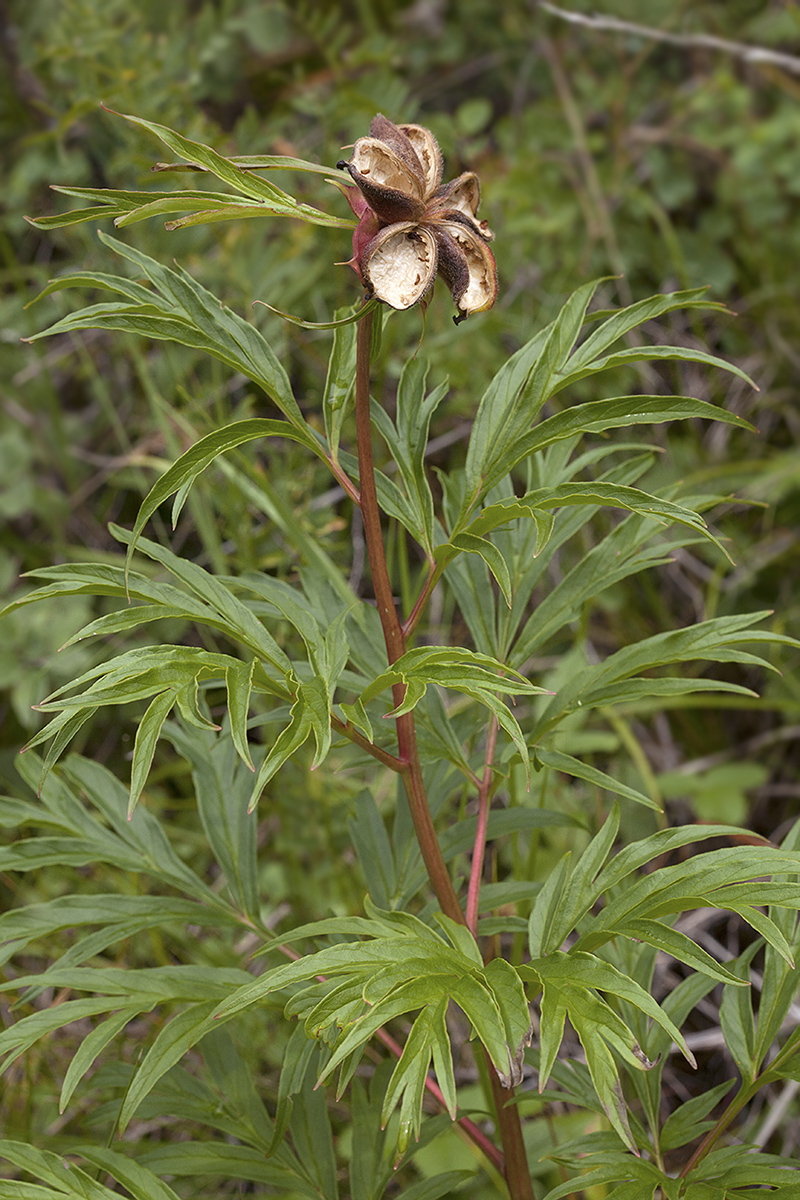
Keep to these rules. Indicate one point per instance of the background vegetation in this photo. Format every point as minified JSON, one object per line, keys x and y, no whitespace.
{"x":601,"y":152}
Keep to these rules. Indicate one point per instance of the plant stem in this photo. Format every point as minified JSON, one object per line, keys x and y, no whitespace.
{"x":393,"y":636}
{"x":434,"y":575}
{"x":515,"y":1163}
{"x":349,"y":731}
{"x":738,"y":1102}
{"x":370,"y":511}
{"x":745,"y":1094}
{"x":518,"y":1176}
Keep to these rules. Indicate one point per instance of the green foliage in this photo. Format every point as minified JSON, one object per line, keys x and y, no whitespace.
{"x":391,"y":963}
{"x":507,"y":565}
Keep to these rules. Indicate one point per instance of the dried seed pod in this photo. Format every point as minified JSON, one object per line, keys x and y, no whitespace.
{"x":410,"y":226}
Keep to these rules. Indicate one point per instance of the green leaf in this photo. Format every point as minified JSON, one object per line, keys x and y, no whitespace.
{"x":91,"y":1046}
{"x":443,"y":1057}
{"x":209,"y":203}
{"x":631,"y":858}
{"x":185,"y":470}
{"x":137,"y":1179}
{"x":569,"y":765}
{"x":748,"y":1168}
{"x":19,"y":927}
{"x":294,"y":1068}
{"x":96,"y":279}
{"x":171,"y":672}
{"x":169,"y":1047}
{"x":516,"y":395}
{"x":356,"y":715}
{"x":460,"y":937}
{"x":234,"y":617}
{"x":76,"y":216}
{"x":407,"y":1084}
{"x":408,"y":440}
{"x":227,"y":212}
{"x":677,"y":944}
{"x":374,"y":849}
{"x":144,"y":746}
{"x":226,"y":1161}
{"x":352,"y":317}
{"x":779,"y":980}
{"x":615,"y":324}
{"x":476,"y":675}
{"x":706,"y":879}
{"x":577,"y":896}
{"x":406,"y":997}
{"x":596,"y":1025}
{"x":545,"y":911}
{"x":575,"y":969}
{"x":647,"y":354}
{"x":713,"y":640}
{"x":553,"y":1015}
{"x":62,"y":730}
{"x":184,"y":311}
{"x":478,"y":1002}
{"x":736,"y":1016}
{"x":222,"y":784}
{"x":619,"y":555}
{"x":153,"y":984}
{"x":240,"y":179}
{"x":313,"y":1138}
{"x":365,"y":1163}
{"x":70,"y":1181}
{"x":340,"y":380}
{"x":611,"y":495}
{"x":310,"y":713}
{"x":437,"y":1186}
{"x":27,"y":1031}
{"x":274,"y":162}
{"x":616,"y":412}
{"x":687,"y":1121}
{"x":141,"y":840}
{"x":507,"y":989}
{"x":487,"y":550}
{"x":239,"y":684}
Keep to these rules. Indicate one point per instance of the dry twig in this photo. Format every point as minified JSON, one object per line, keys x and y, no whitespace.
{"x":704,"y":41}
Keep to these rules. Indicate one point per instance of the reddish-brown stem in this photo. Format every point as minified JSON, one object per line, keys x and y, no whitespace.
{"x":370,"y":512}
{"x":422,"y":599}
{"x":518,"y":1176}
{"x":479,"y":848}
{"x":393,"y":635}
{"x":348,"y":730}
{"x":515,"y":1165}
{"x":344,"y":480}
